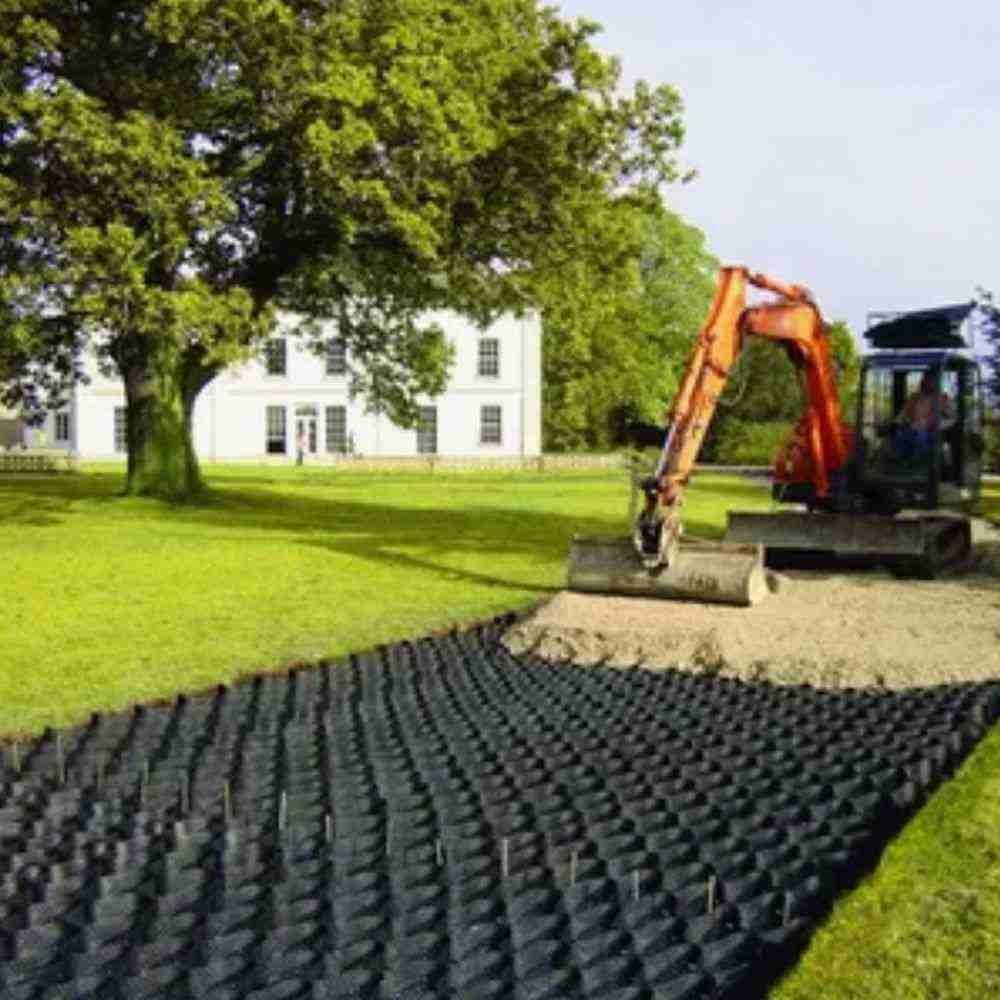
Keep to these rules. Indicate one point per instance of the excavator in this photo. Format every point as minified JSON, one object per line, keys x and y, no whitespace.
{"x":863,"y":494}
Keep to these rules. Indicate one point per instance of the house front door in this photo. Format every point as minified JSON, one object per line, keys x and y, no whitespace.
{"x":306,"y":420}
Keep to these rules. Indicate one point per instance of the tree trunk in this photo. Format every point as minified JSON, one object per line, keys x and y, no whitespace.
{"x":159,"y":407}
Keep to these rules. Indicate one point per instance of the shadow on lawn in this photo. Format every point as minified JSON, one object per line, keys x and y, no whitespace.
{"x":476,"y":527}
{"x":45,"y":501}
{"x":425,"y":539}
{"x":370,"y":528}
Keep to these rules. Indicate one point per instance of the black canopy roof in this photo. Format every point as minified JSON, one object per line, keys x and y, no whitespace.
{"x":923,"y":328}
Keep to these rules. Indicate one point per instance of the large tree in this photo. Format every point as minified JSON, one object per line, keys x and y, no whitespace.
{"x":615,"y":340}
{"x":172,"y":172}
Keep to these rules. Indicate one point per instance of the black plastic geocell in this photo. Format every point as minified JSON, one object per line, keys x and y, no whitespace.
{"x":442,"y":816}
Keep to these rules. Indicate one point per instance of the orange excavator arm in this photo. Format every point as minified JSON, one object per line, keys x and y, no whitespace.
{"x":795,"y":321}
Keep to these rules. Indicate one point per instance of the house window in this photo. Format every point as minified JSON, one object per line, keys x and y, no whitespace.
{"x":489,"y":357}
{"x":276,"y":356}
{"x":336,"y":429}
{"x":62,"y":426}
{"x":490,"y":429}
{"x":120,"y":443}
{"x":427,"y":431}
{"x":336,"y":356}
{"x":275,"y":444}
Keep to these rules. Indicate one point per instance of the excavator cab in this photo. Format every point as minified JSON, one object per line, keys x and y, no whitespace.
{"x":902,"y":495}
{"x":919,"y":428}
{"x":920,"y":431}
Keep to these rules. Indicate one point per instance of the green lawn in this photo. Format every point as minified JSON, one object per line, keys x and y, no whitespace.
{"x":990,"y":505}
{"x":926,"y":924}
{"x":108,"y":601}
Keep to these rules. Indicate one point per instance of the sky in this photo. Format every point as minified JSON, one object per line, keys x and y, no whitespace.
{"x":850,"y":147}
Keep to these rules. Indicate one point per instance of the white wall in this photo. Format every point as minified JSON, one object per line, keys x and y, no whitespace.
{"x":531,"y":387}
{"x":230,"y":414}
{"x":92,"y":414}
{"x":44,"y":436}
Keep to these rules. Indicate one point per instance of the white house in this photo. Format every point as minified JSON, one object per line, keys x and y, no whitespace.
{"x":492,"y":406}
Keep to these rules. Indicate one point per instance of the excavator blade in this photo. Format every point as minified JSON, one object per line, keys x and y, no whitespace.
{"x":842,"y":534}
{"x":921,"y":546}
{"x":699,"y":571}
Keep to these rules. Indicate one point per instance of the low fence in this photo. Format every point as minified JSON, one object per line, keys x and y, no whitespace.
{"x":515,"y":463}
{"x":555,"y":462}
{"x":37,"y":460}
{"x":432,"y":463}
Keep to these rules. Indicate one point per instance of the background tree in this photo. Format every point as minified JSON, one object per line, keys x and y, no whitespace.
{"x":765,"y":396}
{"x":615,"y":341}
{"x":174,"y":171}
{"x":987,"y":320}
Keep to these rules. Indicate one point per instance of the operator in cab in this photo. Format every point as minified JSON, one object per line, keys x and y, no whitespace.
{"x":917,"y":420}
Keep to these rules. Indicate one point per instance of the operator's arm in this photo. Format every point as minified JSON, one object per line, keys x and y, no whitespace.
{"x":906,"y":412}
{"x":947,"y":412}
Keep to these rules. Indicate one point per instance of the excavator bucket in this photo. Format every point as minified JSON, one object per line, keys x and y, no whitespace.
{"x":699,"y":571}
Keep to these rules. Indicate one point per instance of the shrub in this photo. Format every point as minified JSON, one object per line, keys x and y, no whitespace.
{"x":750,"y":443}
{"x":991,"y":456}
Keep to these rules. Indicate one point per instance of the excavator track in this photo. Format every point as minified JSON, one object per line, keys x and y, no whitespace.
{"x":947,"y":545}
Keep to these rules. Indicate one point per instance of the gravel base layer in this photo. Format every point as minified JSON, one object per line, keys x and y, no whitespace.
{"x":443,"y":819}
{"x":839,"y":626}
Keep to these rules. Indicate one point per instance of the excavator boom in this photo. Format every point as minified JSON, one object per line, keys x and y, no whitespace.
{"x":795,"y":322}
{"x":666,"y":564}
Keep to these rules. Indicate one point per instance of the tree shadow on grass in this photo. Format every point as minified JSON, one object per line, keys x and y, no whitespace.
{"x":427,"y":530}
{"x":438,"y":539}
{"x":47,"y":500}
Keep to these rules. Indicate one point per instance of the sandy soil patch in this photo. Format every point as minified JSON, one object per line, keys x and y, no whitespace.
{"x":843,"y":629}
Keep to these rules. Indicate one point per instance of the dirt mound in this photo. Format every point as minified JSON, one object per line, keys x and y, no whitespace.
{"x":860,"y":629}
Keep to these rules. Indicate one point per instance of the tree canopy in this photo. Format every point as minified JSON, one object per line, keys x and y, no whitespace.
{"x":987,"y":321}
{"x":615,"y":344}
{"x":172,"y":172}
